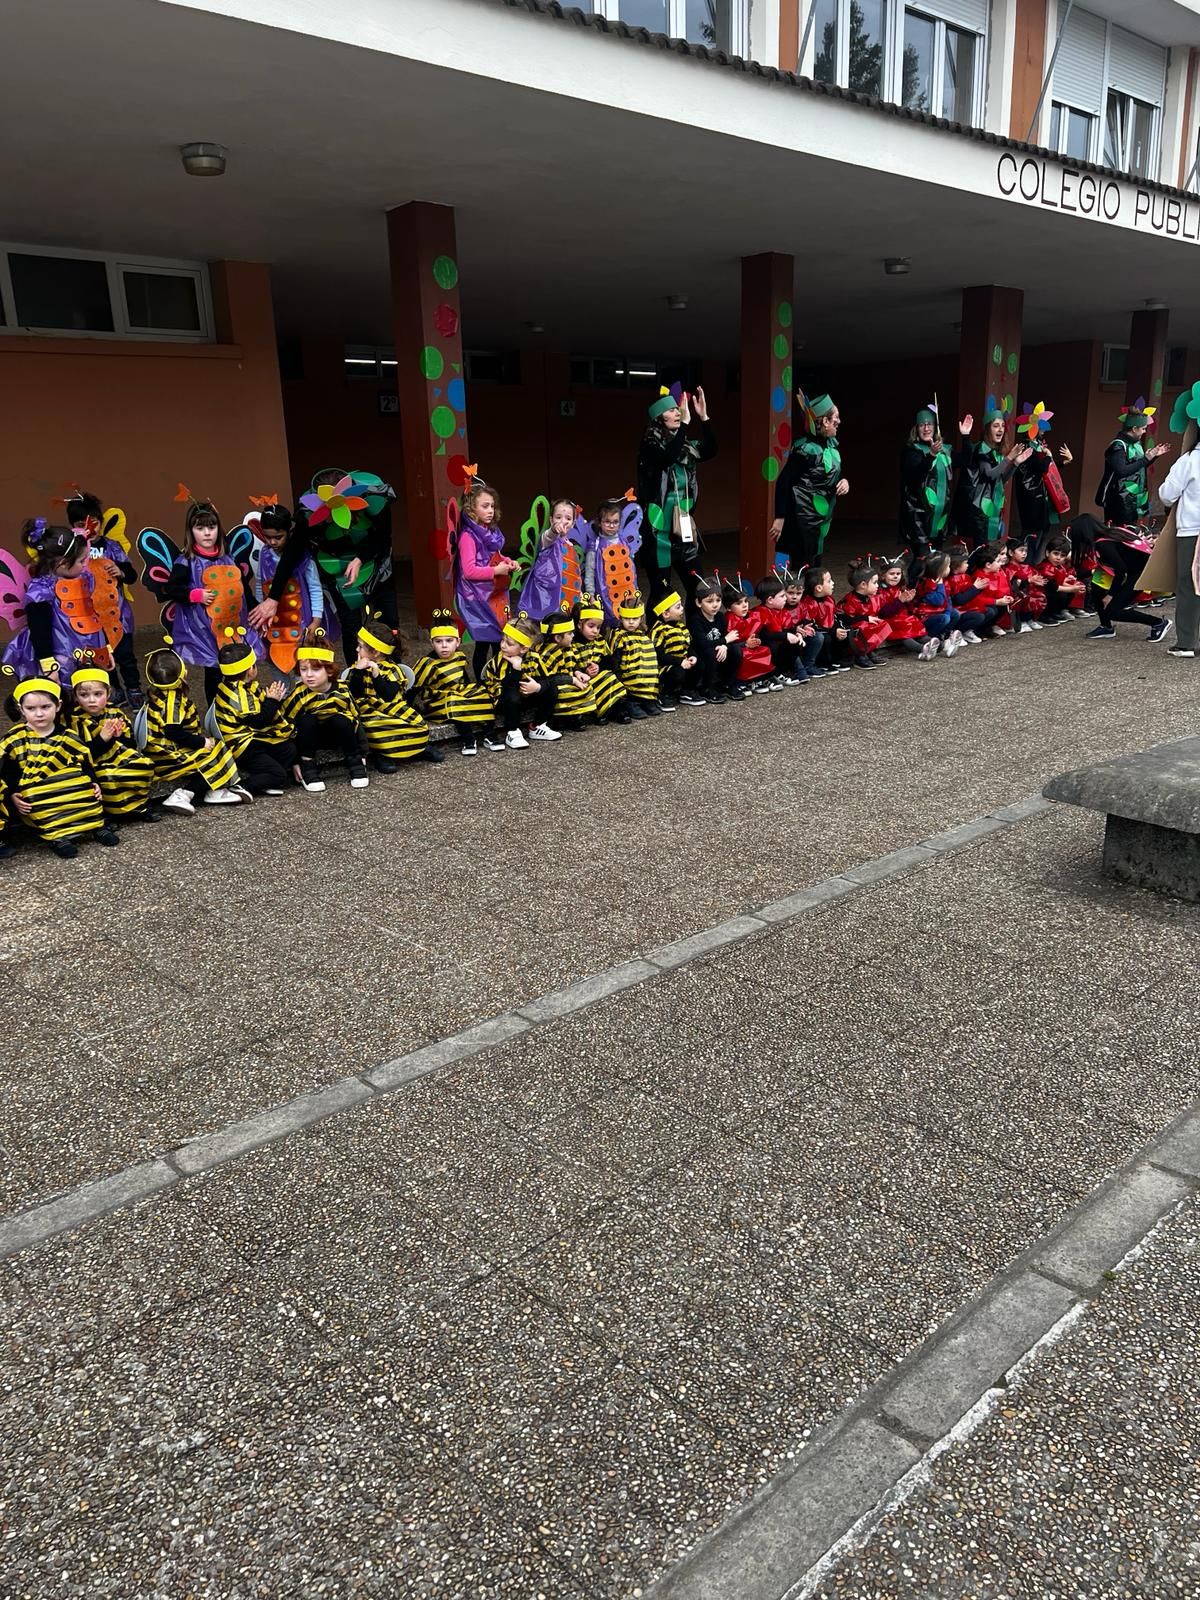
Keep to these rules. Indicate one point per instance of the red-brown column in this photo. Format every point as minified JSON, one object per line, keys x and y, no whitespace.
{"x":766,"y":401}
{"x":432,"y":385}
{"x":989,"y":356}
{"x":1147,"y":357}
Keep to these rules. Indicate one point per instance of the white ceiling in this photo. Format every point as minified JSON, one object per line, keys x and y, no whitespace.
{"x":570,"y":213}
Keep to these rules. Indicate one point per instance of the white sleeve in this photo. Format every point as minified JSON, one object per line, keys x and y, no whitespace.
{"x":1176,"y":481}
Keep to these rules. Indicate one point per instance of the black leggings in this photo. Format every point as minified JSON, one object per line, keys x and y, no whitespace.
{"x":350,"y":618}
{"x":1127,"y":565}
{"x":212,"y":680}
{"x":265,"y":766}
{"x":327,"y":733}
{"x":485,"y":649}
{"x":514,"y":708}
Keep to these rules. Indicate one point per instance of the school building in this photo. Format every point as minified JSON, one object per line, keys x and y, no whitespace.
{"x":248,"y":239}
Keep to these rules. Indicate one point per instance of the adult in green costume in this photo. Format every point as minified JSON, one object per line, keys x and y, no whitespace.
{"x":1124,"y":490}
{"x":667,"y":488}
{"x":925,"y":469}
{"x":984,"y":469}
{"x":809,"y":485}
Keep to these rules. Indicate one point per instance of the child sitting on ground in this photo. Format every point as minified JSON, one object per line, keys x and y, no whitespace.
{"x":941,"y":620}
{"x":395,"y":730}
{"x":575,"y":705}
{"x":1028,"y":587}
{"x":324,"y":715}
{"x":635,"y":660}
{"x":860,"y":613}
{"x":46,"y":774}
{"x":717,"y":654}
{"x":1065,"y":591}
{"x":896,"y":606}
{"x":593,"y":656}
{"x":169,"y":732}
{"x":251,"y":721}
{"x":818,"y":611}
{"x":789,"y":650}
{"x":678,"y":666}
{"x":125,"y":776}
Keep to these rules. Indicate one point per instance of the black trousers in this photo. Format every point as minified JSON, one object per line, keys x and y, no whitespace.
{"x":328,"y":733}
{"x":710,"y":675}
{"x":515,"y":708}
{"x":212,"y":681}
{"x":263,"y":766}
{"x":126,"y":661}
{"x":1126,"y":563}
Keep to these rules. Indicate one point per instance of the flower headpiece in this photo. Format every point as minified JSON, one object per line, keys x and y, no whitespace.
{"x":668,"y":400}
{"x":333,"y":502}
{"x":1137,"y":415}
{"x":1034,"y":420}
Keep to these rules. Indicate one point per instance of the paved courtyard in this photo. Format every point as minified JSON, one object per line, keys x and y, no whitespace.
{"x":537,"y":1322}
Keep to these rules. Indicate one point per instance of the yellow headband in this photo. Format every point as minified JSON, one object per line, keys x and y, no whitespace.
{"x":314,"y":652}
{"x":444,"y":630}
{"x":631,"y":608}
{"x":591,"y":614}
{"x":375,"y":642}
{"x":661,"y":607}
{"x":232,"y":669}
{"x":89,"y":675}
{"x":38,"y":685}
{"x":562,"y":625}
{"x":511,"y":631}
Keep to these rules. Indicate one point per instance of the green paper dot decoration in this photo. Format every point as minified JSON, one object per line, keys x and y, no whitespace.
{"x":784,"y":315}
{"x":686,"y":503}
{"x":654,"y":516}
{"x":1012,"y":364}
{"x":445,"y":272}
{"x":443,"y":422}
{"x":1009,"y":405}
{"x":988,"y":507}
{"x":820,"y":505}
{"x":770,"y":469}
{"x":781,"y":347}
{"x":997,"y":355}
{"x":785,"y":377}
{"x":432,"y":365}
{"x":1157,"y":387}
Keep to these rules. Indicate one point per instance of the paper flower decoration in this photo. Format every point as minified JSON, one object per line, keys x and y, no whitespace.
{"x":1139,"y":408}
{"x":1187,"y":409}
{"x":1034,"y":420}
{"x":998,"y":408}
{"x":336,"y":502}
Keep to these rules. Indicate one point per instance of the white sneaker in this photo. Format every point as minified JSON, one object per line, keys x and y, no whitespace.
{"x":272,"y":791}
{"x":929,"y":649}
{"x":242,"y":793}
{"x":493,"y":744}
{"x":788,"y":683}
{"x":180,"y":800}
{"x":953,"y":644}
{"x":315,"y":787}
{"x":514,"y":739}
{"x":222,"y":797}
{"x":545,"y":733}
{"x":1026,"y":627}
{"x":971,"y":637}
{"x":362,"y":782}
{"x":1036,"y":626}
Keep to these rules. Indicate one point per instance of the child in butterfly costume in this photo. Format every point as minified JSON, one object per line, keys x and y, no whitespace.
{"x":124,"y":774}
{"x":301,"y":603}
{"x":112,"y":574}
{"x":613,"y":542}
{"x":555,"y":579}
{"x":206,"y":585}
{"x":251,"y":721}
{"x":395,"y":730}
{"x":59,"y":612}
{"x":46,"y":773}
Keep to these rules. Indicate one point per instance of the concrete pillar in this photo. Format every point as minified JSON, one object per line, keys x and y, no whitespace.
{"x":1147,"y":356}
{"x":767,"y":336}
{"x":989,"y":361}
{"x":426,"y":328}
{"x":244,"y":315}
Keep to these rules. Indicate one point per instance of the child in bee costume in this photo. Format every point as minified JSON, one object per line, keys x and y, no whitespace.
{"x":46,"y":774}
{"x":124,"y":774}
{"x":444,"y":671}
{"x":395,"y":730}
{"x":516,"y":688}
{"x":593,"y":656}
{"x":168,"y":730}
{"x":251,"y":721}
{"x":634,"y":658}
{"x":576,"y":703}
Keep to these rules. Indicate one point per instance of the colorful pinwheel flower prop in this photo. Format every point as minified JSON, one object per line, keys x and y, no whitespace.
{"x":1137,"y":414}
{"x":336,"y":502}
{"x":1034,"y":421}
{"x":1187,"y":409}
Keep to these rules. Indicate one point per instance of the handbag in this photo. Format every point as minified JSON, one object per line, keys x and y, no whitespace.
{"x":1059,"y":498}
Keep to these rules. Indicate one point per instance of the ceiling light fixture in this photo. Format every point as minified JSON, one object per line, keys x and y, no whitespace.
{"x":534,"y":327}
{"x":897,"y":266}
{"x":1154,"y":305}
{"x":203,"y":160}
{"x":677,"y":302}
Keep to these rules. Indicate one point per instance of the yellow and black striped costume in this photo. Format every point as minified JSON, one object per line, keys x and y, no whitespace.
{"x":56,"y":776}
{"x":237,"y":706}
{"x":672,"y":641}
{"x":437,"y":680}
{"x":124,"y":773}
{"x":393,"y":728}
{"x":607,"y":689}
{"x":476,"y":705}
{"x":559,"y":655}
{"x":635,"y":661}
{"x":337,"y":701}
{"x":169,"y":711}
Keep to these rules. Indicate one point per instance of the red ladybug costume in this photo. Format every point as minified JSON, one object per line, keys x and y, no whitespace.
{"x":1030,"y":596}
{"x":869,"y":630}
{"x":756,"y":659}
{"x":900,"y":614}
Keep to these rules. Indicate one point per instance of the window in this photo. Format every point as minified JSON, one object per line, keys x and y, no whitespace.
{"x":85,"y":293}
{"x":630,"y":372}
{"x":1071,"y":132}
{"x":377,"y":364}
{"x":1107,"y":94}
{"x":1128,"y":135}
{"x":928,"y":59}
{"x":719,"y":24}
{"x":1115,"y":368}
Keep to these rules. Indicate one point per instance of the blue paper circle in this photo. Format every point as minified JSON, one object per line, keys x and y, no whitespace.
{"x":778,"y":399}
{"x":456,"y":394}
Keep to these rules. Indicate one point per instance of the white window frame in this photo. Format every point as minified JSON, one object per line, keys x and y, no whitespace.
{"x":1154,"y":162}
{"x":1100,"y":121}
{"x":940,"y":25}
{"x":739,"y":29}
{"x":892,"y":87}
{"x":1065,"y":105}
{"x":115,"y":263}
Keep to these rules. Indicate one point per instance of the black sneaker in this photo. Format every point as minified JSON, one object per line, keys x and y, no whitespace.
{"x":865,"y":663}
{"x":107,"y":835}
{"x":651,"y":708}
{"x":637,"y":711}
{"x":65,"y":849}
{"x":431,"y":753}
{"x":1161,"y":628}
{"x":470,"y":747}
{"x":623,"y":716}
{"x":718,"y":699}
{"x":385,"y":765}
{"x":358,"y":773}
{"x":686,"y":699}
{"x":818,"y":672}
{"x":1101,"y":633}
{"x":6,"y":849}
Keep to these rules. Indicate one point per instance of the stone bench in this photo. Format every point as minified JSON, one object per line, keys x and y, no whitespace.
{"x":1152,"y":804}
